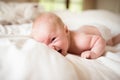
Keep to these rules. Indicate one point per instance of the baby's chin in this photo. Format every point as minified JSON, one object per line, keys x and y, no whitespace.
{"x":64,"y":53}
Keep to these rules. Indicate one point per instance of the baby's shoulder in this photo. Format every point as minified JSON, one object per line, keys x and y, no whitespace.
{"x":80,"y":36}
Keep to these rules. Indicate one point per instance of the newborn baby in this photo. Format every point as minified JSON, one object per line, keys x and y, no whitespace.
{"x":87,"y":41}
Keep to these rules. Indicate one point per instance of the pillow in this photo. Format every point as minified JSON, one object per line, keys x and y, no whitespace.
{"x":72,"y":20}
{"x":17,"y":13}
{"x":16,"y":29}
{"x":103,"y":17}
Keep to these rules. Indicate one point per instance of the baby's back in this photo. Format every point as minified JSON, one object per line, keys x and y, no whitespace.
{"x":88,"y":29}
{"x":84,"y":39}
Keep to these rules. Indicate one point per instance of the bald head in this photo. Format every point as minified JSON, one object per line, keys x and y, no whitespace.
{"x":48,"y":18}
{"x":46,"y":23}
{"x":49,"y":29}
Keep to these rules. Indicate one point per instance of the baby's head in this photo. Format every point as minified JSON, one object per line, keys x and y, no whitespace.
{"x":50,"y":30}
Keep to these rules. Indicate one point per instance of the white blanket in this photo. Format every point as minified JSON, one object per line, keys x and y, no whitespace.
{"x":22,"y":58}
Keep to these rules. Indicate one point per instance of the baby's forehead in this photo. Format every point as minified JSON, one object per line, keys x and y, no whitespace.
{"x":48,"y":27}
{"x":45,"y":36}
{"x":45,"y":29}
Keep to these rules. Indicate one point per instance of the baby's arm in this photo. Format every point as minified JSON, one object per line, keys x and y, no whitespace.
{"x":97,"y":48}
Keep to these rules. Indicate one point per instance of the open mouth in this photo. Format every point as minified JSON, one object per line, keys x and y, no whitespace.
{"x":60,"y":51}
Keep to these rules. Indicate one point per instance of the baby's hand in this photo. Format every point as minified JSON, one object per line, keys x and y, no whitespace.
{"x":88,"y":54}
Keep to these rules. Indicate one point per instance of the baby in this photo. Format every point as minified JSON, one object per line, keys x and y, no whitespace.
{"x":87,"y":41}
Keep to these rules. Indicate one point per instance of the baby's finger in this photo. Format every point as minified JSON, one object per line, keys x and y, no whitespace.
{"x":85,"y":55}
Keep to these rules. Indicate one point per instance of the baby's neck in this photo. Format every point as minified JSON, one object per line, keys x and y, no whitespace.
{"x":71,"y":40}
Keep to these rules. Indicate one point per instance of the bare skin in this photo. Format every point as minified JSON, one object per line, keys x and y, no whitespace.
{"x":86,"y":41}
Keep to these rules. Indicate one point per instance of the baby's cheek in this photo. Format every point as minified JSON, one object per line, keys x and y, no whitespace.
{"x":59,"y":43}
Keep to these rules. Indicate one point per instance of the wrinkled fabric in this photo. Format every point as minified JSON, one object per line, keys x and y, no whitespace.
{"x":26,"y":59}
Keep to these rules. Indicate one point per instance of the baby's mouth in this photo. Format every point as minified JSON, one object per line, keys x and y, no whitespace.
{"x":60,"y":50}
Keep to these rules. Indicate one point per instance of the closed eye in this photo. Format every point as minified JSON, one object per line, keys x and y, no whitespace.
{"x":53,"y":39}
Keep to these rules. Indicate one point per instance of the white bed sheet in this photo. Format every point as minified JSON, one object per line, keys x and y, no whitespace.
{"x":22,"y":58}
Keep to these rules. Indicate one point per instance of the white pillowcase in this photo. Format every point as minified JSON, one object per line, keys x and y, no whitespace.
{"x":103,"y":17}
{"x":17,"y":13}
{"x":16,"y":30}
{"x":72,"y":20}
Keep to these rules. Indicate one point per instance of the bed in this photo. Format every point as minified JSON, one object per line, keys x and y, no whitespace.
{"x":22,"y":58}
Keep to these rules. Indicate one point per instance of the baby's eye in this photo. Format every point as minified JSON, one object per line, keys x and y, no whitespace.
{"x":53,"y":39}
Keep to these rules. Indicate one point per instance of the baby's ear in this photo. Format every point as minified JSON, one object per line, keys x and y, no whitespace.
{"x":66,"y":29}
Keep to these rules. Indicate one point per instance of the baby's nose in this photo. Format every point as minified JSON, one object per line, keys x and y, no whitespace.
{"x":53,"y":47}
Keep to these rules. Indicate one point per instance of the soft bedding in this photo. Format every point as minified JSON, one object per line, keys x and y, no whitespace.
{"x":19,"y":13}
{"x":22,"y":58}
